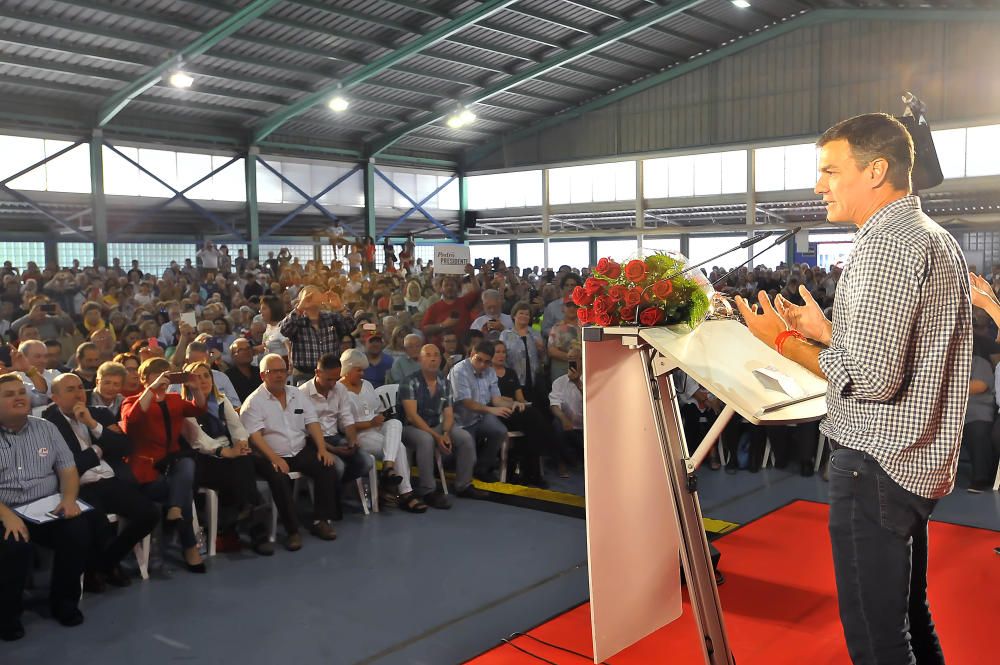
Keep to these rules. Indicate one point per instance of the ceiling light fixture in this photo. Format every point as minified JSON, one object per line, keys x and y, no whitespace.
{"x":461,"y":118}
{"x":181,"y":79}
{"x":338,"y":103}
{"x":742,"y":4}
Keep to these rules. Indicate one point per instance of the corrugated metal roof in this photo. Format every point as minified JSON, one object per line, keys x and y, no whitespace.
{"x":89,"y":49}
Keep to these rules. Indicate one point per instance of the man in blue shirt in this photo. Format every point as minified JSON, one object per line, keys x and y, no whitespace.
{"x":429,"y":425}
{"x":478,"y":407}
{"x":379,"y":363}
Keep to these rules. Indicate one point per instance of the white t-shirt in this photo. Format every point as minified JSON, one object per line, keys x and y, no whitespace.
{"x":362,"y":406}
{"x":333,"y":410}
{"x":568,"y":397}
{"x":209,"y":258}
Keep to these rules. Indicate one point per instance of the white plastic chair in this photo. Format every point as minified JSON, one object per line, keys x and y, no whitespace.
{"x":296,"y":477}
{"x":505,"y":453}
{"x":373,"y":488}
{"x":996,"y":483}
{"x":142,"y":548}
{"x":212,"y":515}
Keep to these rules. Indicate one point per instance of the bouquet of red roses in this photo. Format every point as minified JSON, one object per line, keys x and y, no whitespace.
{"x":644,"y":292}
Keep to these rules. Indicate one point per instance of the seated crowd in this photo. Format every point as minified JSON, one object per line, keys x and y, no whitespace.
{"x":131,"y":392}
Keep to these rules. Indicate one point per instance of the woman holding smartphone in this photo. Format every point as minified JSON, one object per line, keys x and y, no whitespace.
{"x":154,"y":420}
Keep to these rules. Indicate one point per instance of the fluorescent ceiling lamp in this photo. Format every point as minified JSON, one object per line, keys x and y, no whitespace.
{"x":742,"y":4}
{"x":467,"y":116}
{"x":455,"y":121}
{"x":180,"y":79}
{"x":338,"y":104}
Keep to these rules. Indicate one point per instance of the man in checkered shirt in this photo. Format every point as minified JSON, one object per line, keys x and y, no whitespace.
{"x":897,"y":358}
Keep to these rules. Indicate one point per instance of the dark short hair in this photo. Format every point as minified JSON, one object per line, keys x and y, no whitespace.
{"x":83,"y":348}
{"x":573,"y":276}
{"x":328,"y":361}
{"x":875,"y":135}
{"x":53,"y":343}
{"x":486,"y":348}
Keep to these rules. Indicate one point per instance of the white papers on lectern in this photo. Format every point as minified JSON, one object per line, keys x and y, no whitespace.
{"x":772,"y":379}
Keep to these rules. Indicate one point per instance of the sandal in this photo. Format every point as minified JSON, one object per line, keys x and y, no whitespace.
{"x":411,"y":503}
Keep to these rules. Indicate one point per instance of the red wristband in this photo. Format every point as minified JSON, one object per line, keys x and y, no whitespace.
{"x":779,"y":341}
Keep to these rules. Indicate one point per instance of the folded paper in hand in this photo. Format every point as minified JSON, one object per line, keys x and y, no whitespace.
{"x":772,"y":379}
{"x":40,"y":511}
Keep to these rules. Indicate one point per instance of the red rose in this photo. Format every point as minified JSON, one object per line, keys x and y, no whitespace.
{"x":593,"y":286}
{"x":602,"y":266}
{"x":635,"y":270}
{"x":603,"y":319}
{"x":663,"y":288}
{"x":628,"y":314}
{"x":651,"y":316}
{"x":581,"y":297}
{"x":617,"y":292}
{"x":603,"y":304}
{"x":613,"y":271}
{"x":583,"y":314}
{"x":633,"y":297}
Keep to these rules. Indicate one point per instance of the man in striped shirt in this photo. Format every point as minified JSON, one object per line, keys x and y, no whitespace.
{"x":36,"y":463}
{"x":897,"y":359}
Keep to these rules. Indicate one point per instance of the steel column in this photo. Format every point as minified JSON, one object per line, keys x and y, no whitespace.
{"x":370,"y":217}
{"x":253,"y":218}
{"x":463,"y":206}
{"x":98,"y":203}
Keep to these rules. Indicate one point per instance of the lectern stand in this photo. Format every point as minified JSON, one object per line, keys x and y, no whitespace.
{"x":643,"y":512}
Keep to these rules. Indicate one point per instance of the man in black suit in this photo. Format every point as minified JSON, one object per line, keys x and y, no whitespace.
{"x":98,"y":447}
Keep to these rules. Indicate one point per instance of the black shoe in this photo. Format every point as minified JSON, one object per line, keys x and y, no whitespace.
{"x":471,"y":492}
{"x":488,"y":477}
{"x":198,"y":568}
{"x":437,"y":500}
{"x":11,"y":631}
{"x":68,"y":617}
{"x":95,"y":582}
{"x":978,"y":488}
{"x":389,"y":478}
{"x":720,"y":579}
{"x":263,"y":547}
{"x":118,"y":578}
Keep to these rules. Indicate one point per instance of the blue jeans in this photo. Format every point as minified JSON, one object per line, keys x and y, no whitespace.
{"x":176,"y":488}
{"x":879,"y":535}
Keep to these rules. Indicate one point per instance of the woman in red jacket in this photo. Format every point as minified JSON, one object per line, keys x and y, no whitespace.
{"x":154,"y":420}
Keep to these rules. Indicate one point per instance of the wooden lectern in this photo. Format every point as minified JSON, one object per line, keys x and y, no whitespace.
{"x":642,"y":502}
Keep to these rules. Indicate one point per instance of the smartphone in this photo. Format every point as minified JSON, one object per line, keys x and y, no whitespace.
{"x":178,"y":377}
{"x":214,"y":343}
{"x":153,"y":343}
{"x":370,"y":327}
{"x":456,"y":358}
{"x":573,"y":365}
{"x":49,"y":308}
{"x":398,"y":308}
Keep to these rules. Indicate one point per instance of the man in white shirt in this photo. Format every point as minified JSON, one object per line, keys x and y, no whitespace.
{"x":493,"y":321}
{"x":97,"y":444}
{"x":30,"y":363}
{"x":208,"y":257}
{"x":329,"y":398}
{"x":566,"y":403}
{"x":278,"y":419}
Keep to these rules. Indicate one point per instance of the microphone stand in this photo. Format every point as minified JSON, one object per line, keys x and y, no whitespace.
{"x":781,"y":239}
{"x":743,"y":245}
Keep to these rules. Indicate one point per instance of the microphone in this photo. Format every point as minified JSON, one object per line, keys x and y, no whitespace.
{"x":743,"y":245}
{"x":781,"y":240}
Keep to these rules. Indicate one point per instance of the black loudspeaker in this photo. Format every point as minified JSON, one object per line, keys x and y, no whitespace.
{"x":471,"y":217}
{"x":926,"y":167}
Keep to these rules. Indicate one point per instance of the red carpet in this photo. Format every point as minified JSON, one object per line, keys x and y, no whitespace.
{"x":780,"y":601}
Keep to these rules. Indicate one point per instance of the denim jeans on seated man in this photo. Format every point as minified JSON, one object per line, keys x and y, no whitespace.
{"x":349,"y":467}
{"x":867,"y":506}
{"x":463,"y":451}
{"x":489,"y":433}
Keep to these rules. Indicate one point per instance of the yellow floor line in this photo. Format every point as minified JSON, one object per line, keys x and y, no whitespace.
{"x":711,"y":525}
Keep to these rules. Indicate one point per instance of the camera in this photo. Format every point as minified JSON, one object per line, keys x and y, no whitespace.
{"x":178,"y":377}
{"x":49,"y":308}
